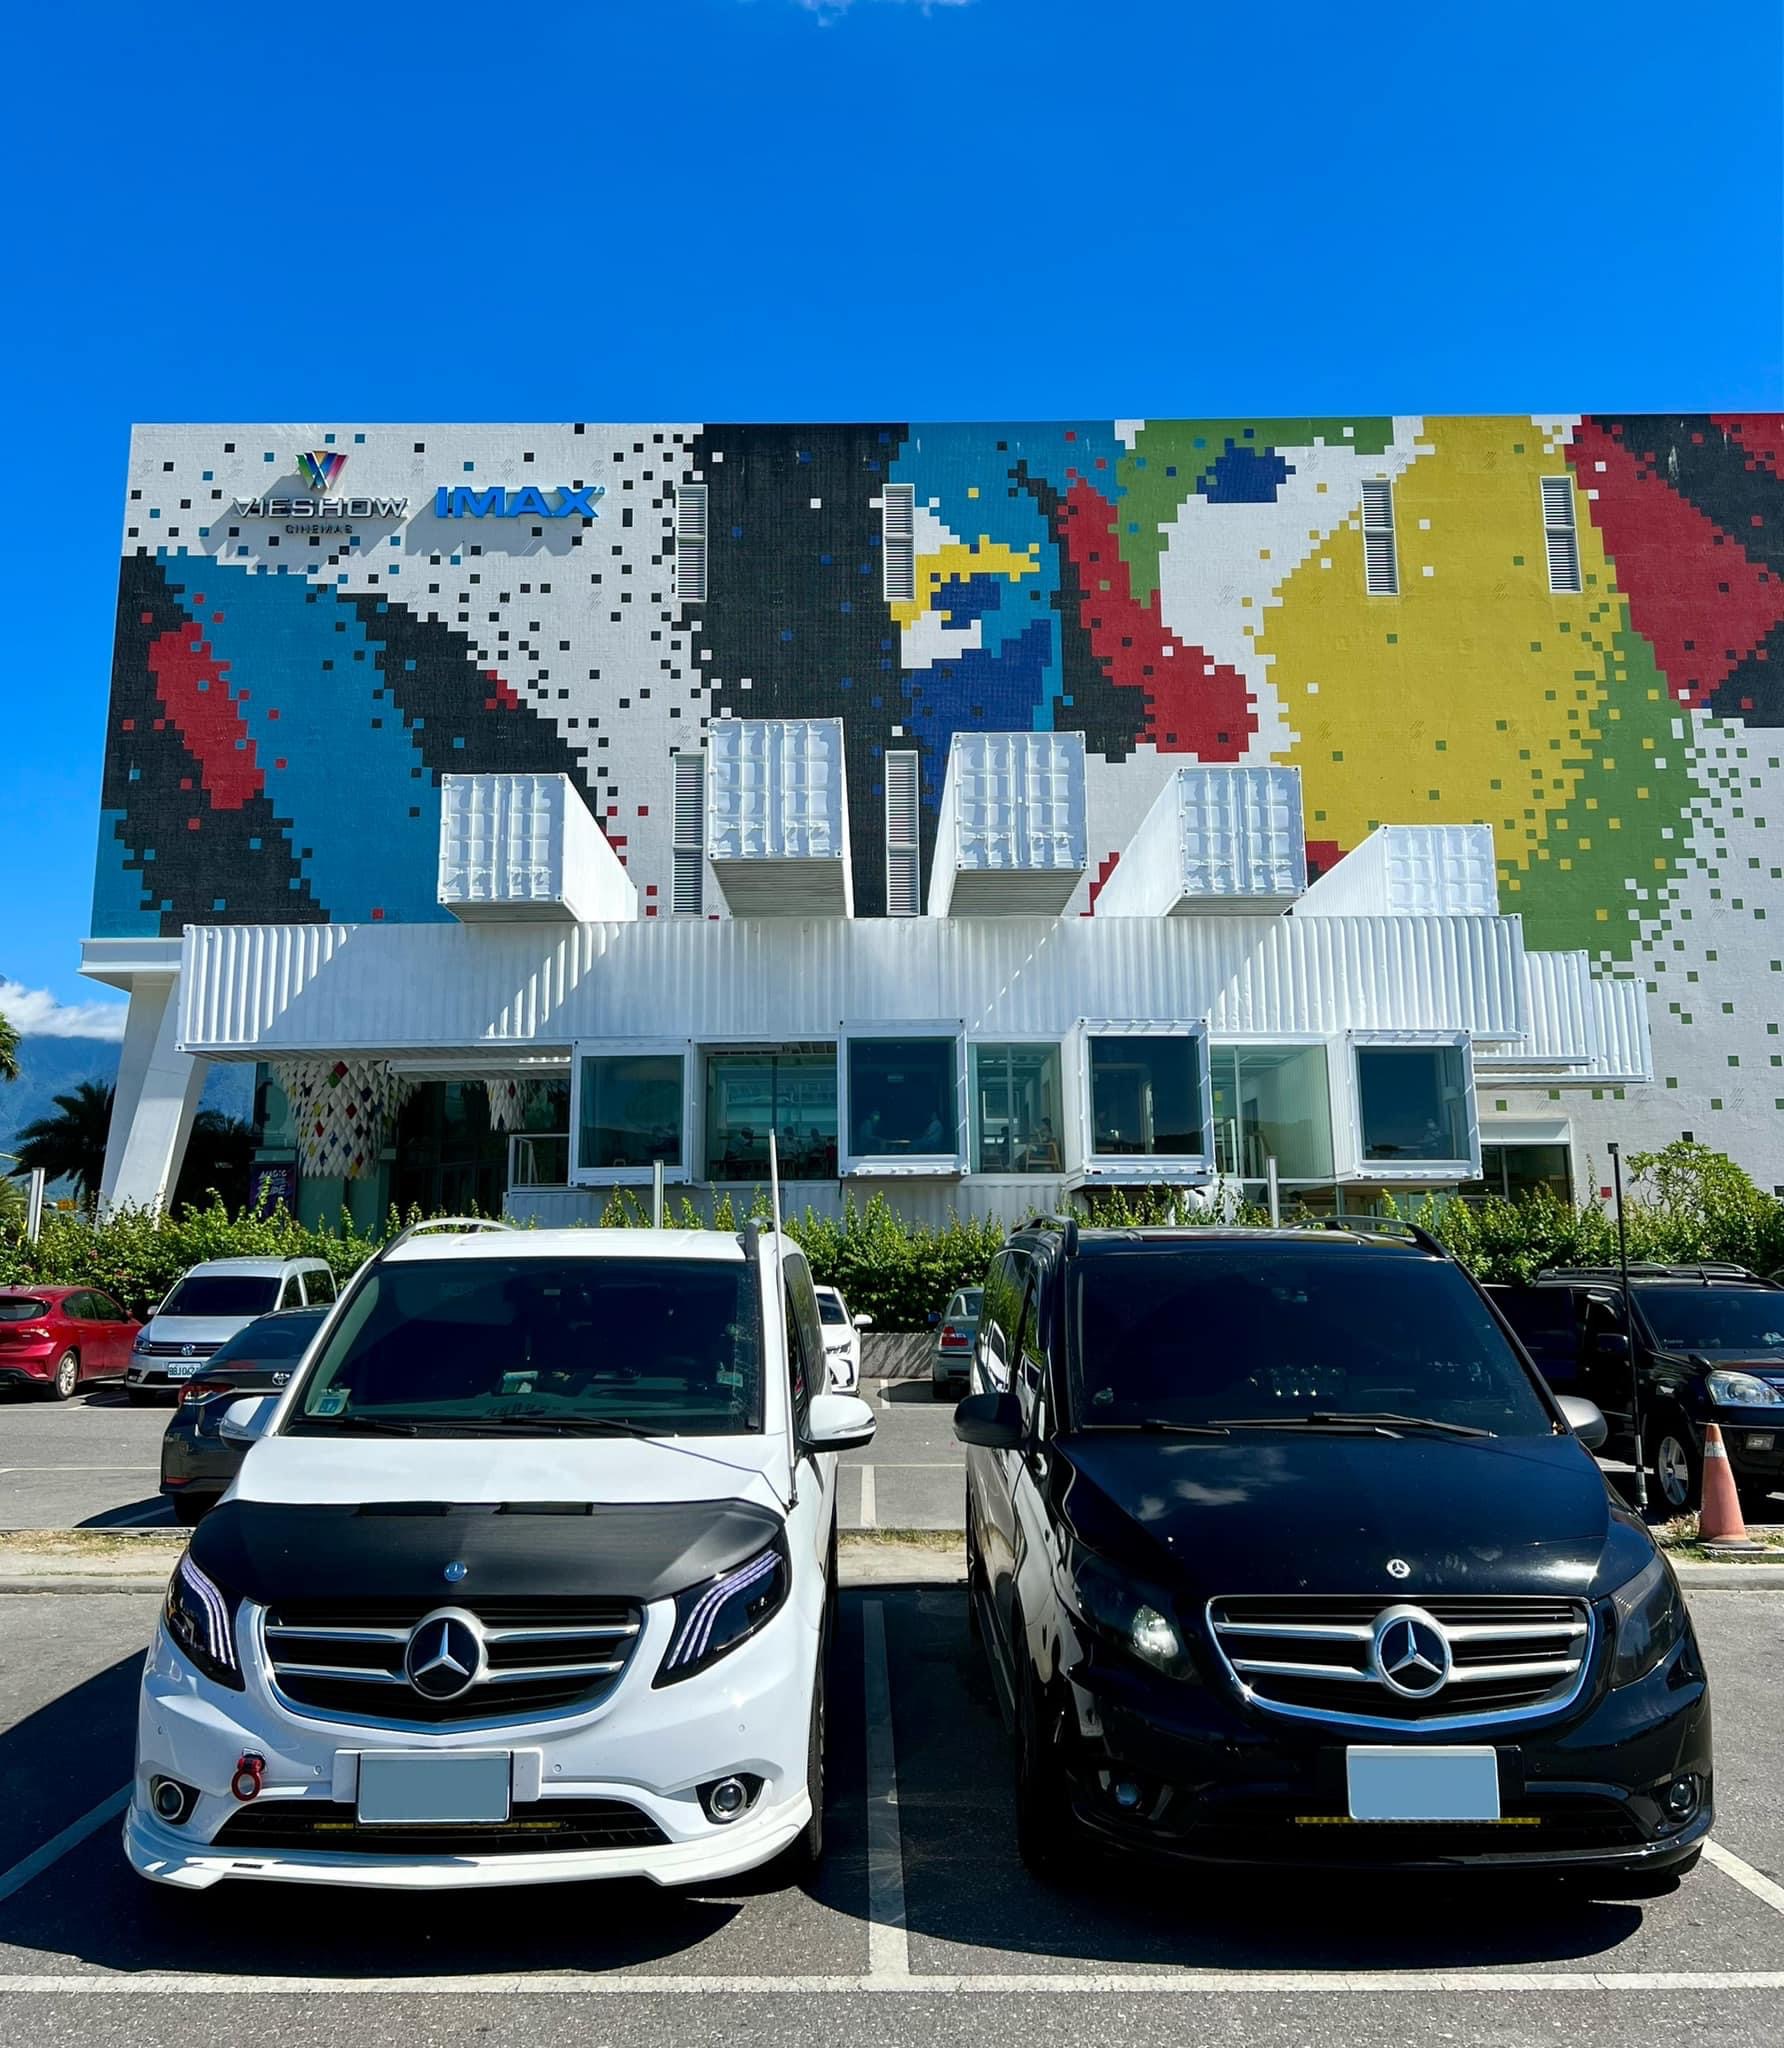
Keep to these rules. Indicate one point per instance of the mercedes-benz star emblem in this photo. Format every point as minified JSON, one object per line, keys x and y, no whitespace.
{"x":1410,"y":1652}
{"x":1398,"y":1568}
{"x":445,"y":1654}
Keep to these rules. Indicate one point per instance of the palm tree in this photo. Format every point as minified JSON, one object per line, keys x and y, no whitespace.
{"x":71,"y":1144}
{"x":219,"y":1154}
{"x":9,"y":1050}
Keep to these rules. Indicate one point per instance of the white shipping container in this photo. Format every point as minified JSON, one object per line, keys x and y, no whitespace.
{"x":525,"y":848}
{"x":1413,"y":871}
{"x":1218,"y":840}
{"x":1010,"y":838}
{"x":777,"y":816}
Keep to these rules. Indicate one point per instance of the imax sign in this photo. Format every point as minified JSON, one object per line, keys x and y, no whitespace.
{"x":529,"y":502}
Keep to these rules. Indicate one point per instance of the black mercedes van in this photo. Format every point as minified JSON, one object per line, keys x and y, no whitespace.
{"x":1283,"y":1553}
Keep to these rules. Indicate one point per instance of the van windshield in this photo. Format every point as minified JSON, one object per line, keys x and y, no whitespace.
{"x":222,"y":1294}
{"x":491,"y":1346}
{"x":1205,"y":1334}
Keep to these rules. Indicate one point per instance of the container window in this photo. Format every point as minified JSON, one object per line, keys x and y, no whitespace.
{"x":1272,"y":1102}
{"x":902,"y":1097}
{"x":1146,"y":1098}
{"x":629,"y":1110}
{"x":749,"y":1094}
{"x":1016,"y":1119}
{"x":1414,"y":1102}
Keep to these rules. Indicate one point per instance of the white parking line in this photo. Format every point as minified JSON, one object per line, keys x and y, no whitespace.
{"x":58,"y":1846}
{"x":1743,"y":1873}
{"x":888,"y":1936}
{"x":1164,"y":1983}
{"x":868,"y":1504}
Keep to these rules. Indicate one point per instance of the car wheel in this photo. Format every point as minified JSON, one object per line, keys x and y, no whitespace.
{"x":190,"y":1508}
{"x":1046,"y":1832}
{"x":66,"y":1379}
{"x":806,"y":1851}
{"x":1678,"y":1465}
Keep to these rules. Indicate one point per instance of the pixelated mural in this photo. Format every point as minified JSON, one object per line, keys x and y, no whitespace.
{"x":288,"y":691}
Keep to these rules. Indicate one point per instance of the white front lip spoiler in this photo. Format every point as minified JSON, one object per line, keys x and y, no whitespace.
{"x":160,"y":1854}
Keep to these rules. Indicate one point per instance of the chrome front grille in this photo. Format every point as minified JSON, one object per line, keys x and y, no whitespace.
{"x":344,"y":1661}
{"x":156,"y":1348}
{"x":1315,"y":1657}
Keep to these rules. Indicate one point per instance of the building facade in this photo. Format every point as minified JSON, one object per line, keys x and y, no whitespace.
{"x":535,"y":802}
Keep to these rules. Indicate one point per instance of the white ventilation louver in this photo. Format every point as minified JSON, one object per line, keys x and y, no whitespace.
{"x":690,"y":544}
{"x":1381,"y":565}
{"x":687,"y":888}
{"x":903,"y":860}
{"x":1559,"y":532}
{"x":898,"y":542}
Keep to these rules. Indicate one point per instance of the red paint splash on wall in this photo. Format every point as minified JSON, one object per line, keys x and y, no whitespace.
{"x":190,"y":682}
{"x":1693,"y":595}
{"x":1194,"y":705}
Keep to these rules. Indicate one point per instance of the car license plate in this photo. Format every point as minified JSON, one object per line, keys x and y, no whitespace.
{"x":1760,"y":1443}
{"x":474,"y":1786}
{"x":183,"y":1368}
{"x":1422,"y":1784}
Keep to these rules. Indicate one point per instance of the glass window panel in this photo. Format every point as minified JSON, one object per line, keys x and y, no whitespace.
{"x":749,"y":1094}
{"x":1510,"y":1172}
{"x":1272,"y":1101}
{"x":629,"y":1110}
{"x":902,"y":1097}
{"x":1414,"y":1101}
{"x":1016,"y":1117}
{"x":1146,"y":1097}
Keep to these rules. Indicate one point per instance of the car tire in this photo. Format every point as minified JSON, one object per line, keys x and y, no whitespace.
{"x":65,"y":1381}
{"x":190,"y":1508}
{"x":1677,"y":1465}
{"x":1047,"y":1834}
{"x":800,"y":1859}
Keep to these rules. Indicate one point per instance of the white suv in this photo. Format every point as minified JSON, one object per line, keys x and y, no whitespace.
{"x":528,"y":1575}
{"x":210,"y":1303}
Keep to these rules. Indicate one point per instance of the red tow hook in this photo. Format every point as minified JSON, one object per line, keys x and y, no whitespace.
{"x":250,"y":1769}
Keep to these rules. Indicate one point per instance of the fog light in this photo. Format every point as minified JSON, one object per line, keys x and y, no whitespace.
{"x":1683,"y":1797}
{"x":172,"y":1801}
{"x":1127,"y":1795}
{"x":729,"y":1799}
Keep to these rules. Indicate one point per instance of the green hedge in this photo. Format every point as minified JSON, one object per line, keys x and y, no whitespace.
{"x":1686,"y":1203}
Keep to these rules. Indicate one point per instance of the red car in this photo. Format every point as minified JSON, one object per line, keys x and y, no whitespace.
{"x":55,"y":1338}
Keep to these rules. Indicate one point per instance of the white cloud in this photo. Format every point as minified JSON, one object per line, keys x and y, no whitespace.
{"x":829,"y":10}
{"x":35,"y":1013}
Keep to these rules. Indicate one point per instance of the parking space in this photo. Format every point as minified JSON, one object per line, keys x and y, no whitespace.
{"x":90,"y":1463}
{"x":920,"y":1896}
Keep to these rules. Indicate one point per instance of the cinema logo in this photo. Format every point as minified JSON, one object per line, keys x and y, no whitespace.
{"x":325,"y":512}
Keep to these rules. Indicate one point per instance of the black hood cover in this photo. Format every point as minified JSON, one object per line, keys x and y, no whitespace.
{"x":270,"y":1552}
{"x":1273,"y":1511}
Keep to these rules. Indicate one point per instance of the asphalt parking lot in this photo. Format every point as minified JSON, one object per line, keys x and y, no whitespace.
{"x":921,"y":1925}
{"x":94,"y":1463}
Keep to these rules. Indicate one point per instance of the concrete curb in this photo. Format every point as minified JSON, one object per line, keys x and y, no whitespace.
{"x":1719,"y":1577}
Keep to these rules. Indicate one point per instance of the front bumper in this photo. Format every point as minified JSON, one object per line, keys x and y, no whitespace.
{"x":1758,"y":1464}
{"x":647,"y":1748}
{"x":1224,"y":1782}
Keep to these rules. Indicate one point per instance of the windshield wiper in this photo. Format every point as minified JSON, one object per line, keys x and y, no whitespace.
{"x":1156,"y":1425}
{"x":557,"y":1425}
{"x":1336,"y":1418}
{"x":365,"y":1425}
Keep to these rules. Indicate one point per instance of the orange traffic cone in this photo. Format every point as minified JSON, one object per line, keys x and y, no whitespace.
{"x":1719,"y":1519}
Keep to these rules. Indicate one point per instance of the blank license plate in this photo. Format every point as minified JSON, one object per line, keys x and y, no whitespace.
{"x":470,"y":1787}
{"x":183,"y":1368}
{"x":1423,"y":1784}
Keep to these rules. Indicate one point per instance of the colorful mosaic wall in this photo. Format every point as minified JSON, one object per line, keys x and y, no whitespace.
{"x":288,"y":690}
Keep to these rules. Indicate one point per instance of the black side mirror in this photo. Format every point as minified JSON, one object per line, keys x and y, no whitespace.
{"x":991,"y":1421}
{"x":1611,"y":1344}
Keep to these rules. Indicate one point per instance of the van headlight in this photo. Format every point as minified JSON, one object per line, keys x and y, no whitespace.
{"x":142,"y":1344}
{"x":1650,"y":1613}
{"x":200,"y":1617}
{"x":1743,"y":1390}
{"x":711,"y":1619}
{"x":1130,"y":1616}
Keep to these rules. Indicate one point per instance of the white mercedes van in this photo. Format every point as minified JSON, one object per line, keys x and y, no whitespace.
{"x":528,"y":1575}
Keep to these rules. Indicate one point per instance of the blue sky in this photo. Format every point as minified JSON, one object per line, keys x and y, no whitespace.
{"x":745,"y":209}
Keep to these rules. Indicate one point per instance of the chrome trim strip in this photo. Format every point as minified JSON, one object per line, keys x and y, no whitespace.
{"x":1493,"y":1632}
{"x":1303,"y":1632}
{"x":551,"y":1635}
{"x":1556,"y":1702}
{"x":324,"y":1633}
{"x":517,"y":1674}
{"x":363,"y":1674}
{"x":1346,"y":1674}
{"x":1538,"y":1667}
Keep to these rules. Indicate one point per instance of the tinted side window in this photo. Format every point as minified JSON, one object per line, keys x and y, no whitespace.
{"x":291,"y":1295}
{"x":78,"y":1307}
{"x":1031,"y":1351}
{"x":1001,"y":1313}
{"x":104,"y":1309}
{"x":319,"y":1286}
{"x":1547,"y":1321}
{"x":805,"y":1337}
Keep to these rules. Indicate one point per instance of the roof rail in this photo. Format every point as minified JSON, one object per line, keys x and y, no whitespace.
{"x":1378,"y":1226}
{"x":460,"y":1225}
{"x":1704,"y":1270}
{"x":1044,"y":1220}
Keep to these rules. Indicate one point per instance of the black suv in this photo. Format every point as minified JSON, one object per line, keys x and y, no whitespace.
{"x":1709,"y":1347}
{"x":1282,"y":1552}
